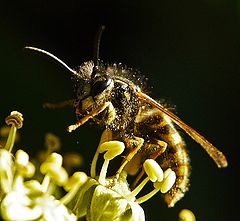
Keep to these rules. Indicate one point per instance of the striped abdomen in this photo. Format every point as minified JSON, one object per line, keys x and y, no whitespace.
{"x":152,"y":125}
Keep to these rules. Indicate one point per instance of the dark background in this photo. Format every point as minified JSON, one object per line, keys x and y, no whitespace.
{"x":189,"y":50}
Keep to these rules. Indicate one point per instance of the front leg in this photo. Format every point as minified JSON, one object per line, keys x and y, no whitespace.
{"x":89,"y":116}
{"x":59,"y":104}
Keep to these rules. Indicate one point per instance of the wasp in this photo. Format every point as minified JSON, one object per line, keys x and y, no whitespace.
{"x":115,"y":97}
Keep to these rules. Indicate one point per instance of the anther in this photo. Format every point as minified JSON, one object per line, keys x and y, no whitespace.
{"x":15,"y":118}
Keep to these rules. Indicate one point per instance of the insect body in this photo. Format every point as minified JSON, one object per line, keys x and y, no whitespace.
{"x":118,"y":108}
{"x":114,"y":96}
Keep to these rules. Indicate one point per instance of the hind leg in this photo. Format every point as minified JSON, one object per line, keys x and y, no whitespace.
{"x":154,"y":150}
{"x":138,"y":143}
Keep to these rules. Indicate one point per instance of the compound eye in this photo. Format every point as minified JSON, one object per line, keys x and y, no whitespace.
{"x":100,"y":85}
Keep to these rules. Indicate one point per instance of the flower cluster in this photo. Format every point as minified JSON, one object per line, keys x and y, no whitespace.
{"x":23,"y":198}
{"x":94,"y":197}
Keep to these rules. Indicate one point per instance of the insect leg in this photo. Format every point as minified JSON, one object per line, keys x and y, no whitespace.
{"x":59,"y":104}
{"x":130,"y":155}
{"x":153,"y":124}
{"x":88,"y":117}
{"x":154,"y":155}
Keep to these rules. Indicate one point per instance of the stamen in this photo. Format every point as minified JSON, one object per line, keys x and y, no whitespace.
{"x":103,"y":172}
{"x":106,"y":136}
{"x":137,"y":189}
{"x":73,"y":185}
{"x":52,"y":143}
{"x":168,"y":182}
{"x":146,"y":197}
{"x":162,"y":181}
{"x":15,"y":207}
{"x":23,"y":166}
{"x":153,"y":170}
{"x":15,"y":119}
{"x":113,"y":149}
{"x":6,"y":171}
{"x":53,"y":169}
{"x":22,"y":158}
{"x":154,"y":173}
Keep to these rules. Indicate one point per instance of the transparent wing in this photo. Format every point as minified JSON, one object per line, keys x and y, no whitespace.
{"x":213,"y":152}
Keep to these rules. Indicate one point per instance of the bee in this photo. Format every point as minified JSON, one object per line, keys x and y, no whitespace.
{"x":115,"y":97}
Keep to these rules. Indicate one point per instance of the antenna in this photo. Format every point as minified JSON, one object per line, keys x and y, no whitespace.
{"x":97,"y":45}
{"x":52,"y":56}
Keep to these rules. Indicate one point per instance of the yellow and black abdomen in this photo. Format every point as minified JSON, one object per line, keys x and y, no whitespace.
{"x":156,"y":127}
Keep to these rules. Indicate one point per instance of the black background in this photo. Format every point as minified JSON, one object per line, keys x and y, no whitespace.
{"x":189,"y":50}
